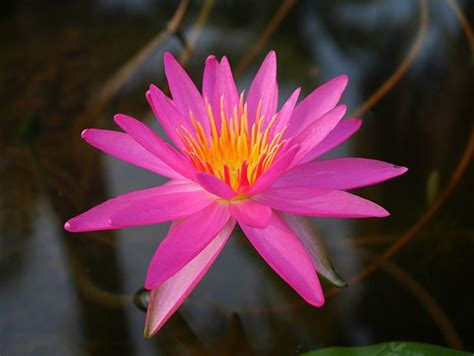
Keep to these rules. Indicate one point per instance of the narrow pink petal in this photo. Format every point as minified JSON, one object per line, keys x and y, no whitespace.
{"x":167,"y":114}
{"x":316,"y":104}
{"x":185,"y":94}
{"x":168,"y":297}
{"x":185,"y":241}
{"x":277,"y":169}
{"x":264,"y":88}
{"x":272,"y":106}
{"x":341,"y":174}
{"x":285,"y":112}
{"x":314,"y":245}
{"x":209,"y":77}
{"x":225,"y":88}
{"x":162,"y":208}
{"x":154,"y":144}
{"x":317,"y":131}
{"x":215,"y":186}
{"x":285,"y":254}
{"x":99,"y":217}
{"x":122,"y":146}
{"x":251,"y":213}
{"x":343,"y":130}
{"x":320,"y":202}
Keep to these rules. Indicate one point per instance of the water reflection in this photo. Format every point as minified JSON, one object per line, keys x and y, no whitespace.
{"x":60,"y":292}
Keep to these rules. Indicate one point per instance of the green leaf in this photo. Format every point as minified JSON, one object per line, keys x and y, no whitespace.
{"x":388,"y":349}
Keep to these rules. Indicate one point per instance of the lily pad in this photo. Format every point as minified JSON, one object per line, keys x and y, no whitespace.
{"x":389,"y":349}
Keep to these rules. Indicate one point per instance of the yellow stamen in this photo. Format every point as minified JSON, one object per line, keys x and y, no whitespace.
{"x":233,"y":153}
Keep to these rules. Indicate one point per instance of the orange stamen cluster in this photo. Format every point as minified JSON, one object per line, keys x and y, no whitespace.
{"x":235,"y":153}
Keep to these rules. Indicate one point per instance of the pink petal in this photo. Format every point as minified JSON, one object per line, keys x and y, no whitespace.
{"x":285,"y":112}
{"x":341,"y":174}
{"x":313,"y":244}
{"x":154,"y":144}
{"x":122,"y":146}
{"x":320,"y":202}
{"x":225,"y":87}
{"x":209,"y":77}
{"x":251,"y":213}
{"x":98,"y":218}
{"x":185,"y":94}
{"x":167,"y":114}
{"x":186,"y":241}
{"x":316,"y":104}
{"x":215,"y":186}
{"x":278,"y":168}
{"x":168,"y":297}
{"x":317,"y":131}
{"x":285,"y":254}
{"x":343,"y":130}
{"x":166,"y":207}
{"x":263,"y":87}
{"x":272,"y":106}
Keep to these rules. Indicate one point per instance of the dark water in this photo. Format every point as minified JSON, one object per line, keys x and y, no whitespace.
{"x":64,"y":294}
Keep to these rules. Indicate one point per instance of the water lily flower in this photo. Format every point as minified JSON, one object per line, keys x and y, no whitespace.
{"x":235,"y":159}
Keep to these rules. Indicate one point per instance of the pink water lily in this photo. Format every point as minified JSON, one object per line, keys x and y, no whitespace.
{"x":235,"y":159}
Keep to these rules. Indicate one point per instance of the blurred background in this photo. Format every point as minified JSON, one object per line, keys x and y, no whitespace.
{"x":69,"y":65}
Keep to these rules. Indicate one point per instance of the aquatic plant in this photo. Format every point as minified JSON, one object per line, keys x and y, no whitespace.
{"x":235,"y":159}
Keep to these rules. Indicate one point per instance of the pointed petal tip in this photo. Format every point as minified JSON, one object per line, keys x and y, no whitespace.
{"x":224,"y":60}
{"x":150,"y":93}
{"x":155,"y":92}
{"x":319,"y":303}
{"x":168,"y":56}
{"x":119,"y":118}
{"x":72,"y":226}
{"x":170,"y":61}
{"x":317,"y":299}
{"x":272,"y":58}
{"x":401,"y":169}
{"x":124,"y":120}
{"x":67,"y":226}
{"x":340,"y":82}
{"x":357,"y":121}
{"x":83,"y":133}
{"x":375,"y":211}
{"x":335,"y":279}
{"x":152,"y":327}
{"x":343,"y":79}
{"x":149,"y":332}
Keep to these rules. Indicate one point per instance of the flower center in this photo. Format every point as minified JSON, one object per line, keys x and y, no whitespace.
{"x":234,"y":152}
